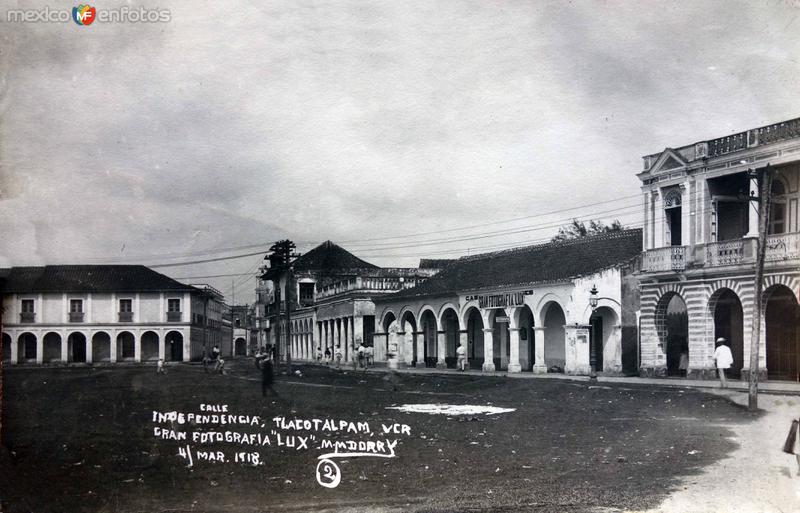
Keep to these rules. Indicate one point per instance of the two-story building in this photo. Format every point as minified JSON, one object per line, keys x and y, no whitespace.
{"x":105,"y":313}
{"x":333,"y":301}
{"x":700,"y":237}
{"x":245,"y":332}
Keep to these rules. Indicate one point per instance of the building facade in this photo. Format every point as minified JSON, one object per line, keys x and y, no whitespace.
{"x":560,"y":307}
{"x":333,"y":302}
{"x":105,"y":313}
{"x":700,"y":239}
{"x":245,"y":331}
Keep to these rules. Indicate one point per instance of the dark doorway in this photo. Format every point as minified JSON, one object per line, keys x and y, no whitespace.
{"x":729,"y":323}
{"x":674,"y":223}
{"x":76,"y":343}
{"x":783,"y":338}
{"x":676,"y":322}
{"x":596,"y":341}
{"x":174,"y":349}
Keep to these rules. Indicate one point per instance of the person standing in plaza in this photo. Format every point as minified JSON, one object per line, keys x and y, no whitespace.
{"x":461,"y":352}
{"x":267,"y":377}
{"x":338,"y":356}
{"x":723,"y":359}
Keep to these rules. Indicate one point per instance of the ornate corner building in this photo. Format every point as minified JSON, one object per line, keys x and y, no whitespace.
{"x":700,"y":237}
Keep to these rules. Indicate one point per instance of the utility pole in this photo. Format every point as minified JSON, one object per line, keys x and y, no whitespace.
{"x":281,"y":257}
{"x":765,"y":196}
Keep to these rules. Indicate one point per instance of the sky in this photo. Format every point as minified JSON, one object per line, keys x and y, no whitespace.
{"x":399,"y":130}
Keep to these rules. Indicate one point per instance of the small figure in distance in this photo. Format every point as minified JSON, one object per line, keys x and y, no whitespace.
{"x":361,"y":354}
{"x":461,"y":352}
{"x":220,"y":366}
{"x":327,"y":355}
{"x":319,"y":354}
{"x":267,"y":377}
{"x":724,"y":359}
{"x":338,"y":356}
{"x":160,"y":367}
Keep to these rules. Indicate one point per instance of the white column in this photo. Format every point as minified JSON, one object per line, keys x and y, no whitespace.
{"x":358,"y":330}
{"x":419,"y":339}
{"x":539,"y":366}
{"x":14,"y":349}
{"x":64,"y":349}
{"x":441,"y":349}
{"x":686,"y":214}
{"x":513,"y":358}
{"x":658,"y":220}
{"x":162,"y":342}
{"x":40,"y":348}
{"x":89,"y":348}
{"x":646,"y":226}
{"x":464,"y":341}
{"x":488,"y":350}
{"x":752,"y":210}
{"x":187,"y":342}
{"x":113,"y":346}
{"x":137,"y":347}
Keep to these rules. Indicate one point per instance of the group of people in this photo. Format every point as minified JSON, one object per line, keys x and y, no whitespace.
{"x":214,"y":358}
{"x":363,"y":356}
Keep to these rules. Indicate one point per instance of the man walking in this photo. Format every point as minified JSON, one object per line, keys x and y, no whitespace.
{"x":724,"y":359}
{"x":267,"y":377}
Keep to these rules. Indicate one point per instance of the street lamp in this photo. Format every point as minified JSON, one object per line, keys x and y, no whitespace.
{"x":593,"y":299}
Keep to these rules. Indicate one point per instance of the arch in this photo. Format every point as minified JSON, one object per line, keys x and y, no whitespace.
{"x":408,"y":326}
{"x":430,"y":334}
{"x":450,"y":306}
{"x":51,"y":347}
{"x":726,"y":316}
{"x":781,"y":319}
{"x":602,"y":346}
{"x":527,"y":337}
{"x":428,"y":308}
{"x":149,"y":346}
{"x":544,"y":304}
{"x":451,"y":327}
{"x":387,"y":318}
{"x":554,"y":335}
{"x":76,"y":347}
{"x":173,"y":346}
{"x":26,"y":347}
{"x":475,"y":327}
{"x":101,"y":347}
{"x":240,"y":347}
{"x":6,"y":347}
{"x":126,"y":346}
{"x":672,"y":327}
{"x":501,"y":337}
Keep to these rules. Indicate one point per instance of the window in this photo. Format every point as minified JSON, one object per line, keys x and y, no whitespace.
{"x":76,"y":310}
{"x":777,"y":210}
{"x":27,"y":314}
{"x":125,"y":310}
{"x":173,"y":305}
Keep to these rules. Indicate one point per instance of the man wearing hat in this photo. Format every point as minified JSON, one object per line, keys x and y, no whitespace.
{"x":724,"y":359}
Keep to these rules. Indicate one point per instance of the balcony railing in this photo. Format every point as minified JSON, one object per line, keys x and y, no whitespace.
{"x":174,"y":316}
{"x":27,"y":317}
{"x":671,"y":258}
{"x":76,"y":317}
{"x":725,"y":253}
{"x":125,"y":316}
{"x":779,"y":248}
{"x":783,"y":247}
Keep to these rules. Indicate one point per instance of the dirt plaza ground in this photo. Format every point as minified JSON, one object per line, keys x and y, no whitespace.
{"x":81,"y":439}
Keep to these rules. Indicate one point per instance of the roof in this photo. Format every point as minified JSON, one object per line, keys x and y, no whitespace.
{"x":89,"y":278}
{"x":330,"y":257}
{"x":435,"y":263}
{"x":554,"y":261}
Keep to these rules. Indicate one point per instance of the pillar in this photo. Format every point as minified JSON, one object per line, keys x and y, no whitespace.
{"x":137,"y":348}
{"x":752,"y":212}
{"x":658,"y":220}
{"x":112,"y":354}
{"x":513,"y":357}
{"x":88,"y":349}
{"x":40,"y":348}
{"x":419,"y":340}
{"x":358,"y":334}
{"x":488,"y":350}
{"x":646,"y":226}
{"x":576,"y":338}
{"x":64,"y":349}
{"x":464,"y":341}
{"x":14,"y":350}
{"x":539,"y":365}
{"x":686,"y":214}
{"x":441,"y":349}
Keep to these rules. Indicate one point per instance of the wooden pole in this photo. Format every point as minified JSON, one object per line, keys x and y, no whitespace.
{"x":755,"y":340}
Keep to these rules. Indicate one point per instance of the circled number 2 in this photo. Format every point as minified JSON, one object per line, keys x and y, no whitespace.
{"x":328,"y":473}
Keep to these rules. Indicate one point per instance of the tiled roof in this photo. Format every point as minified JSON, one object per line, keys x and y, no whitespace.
{"x":330,"y":257}
{"x":88,"y":278}
{"x":435,"y":263}
{"x":550,"y":262}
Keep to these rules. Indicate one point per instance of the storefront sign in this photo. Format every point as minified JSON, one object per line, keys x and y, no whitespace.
{"x":500,"y":300}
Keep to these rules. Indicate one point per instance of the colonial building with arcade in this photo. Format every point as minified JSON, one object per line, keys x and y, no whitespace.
{"x":107,"y":314}
{"x":700,"y":236}
{"x":566,"y":306}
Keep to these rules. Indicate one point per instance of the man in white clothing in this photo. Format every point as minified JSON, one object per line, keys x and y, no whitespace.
{"x":724,"y":359}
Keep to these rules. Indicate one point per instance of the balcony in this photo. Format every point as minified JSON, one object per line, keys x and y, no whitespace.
{"x":671,"y":258}
{"x":174,"y":316}
{"x":27,"y":317}
{"x":779,"y":248}
{"x":76,"y":317}
{"x":125,"y":316}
